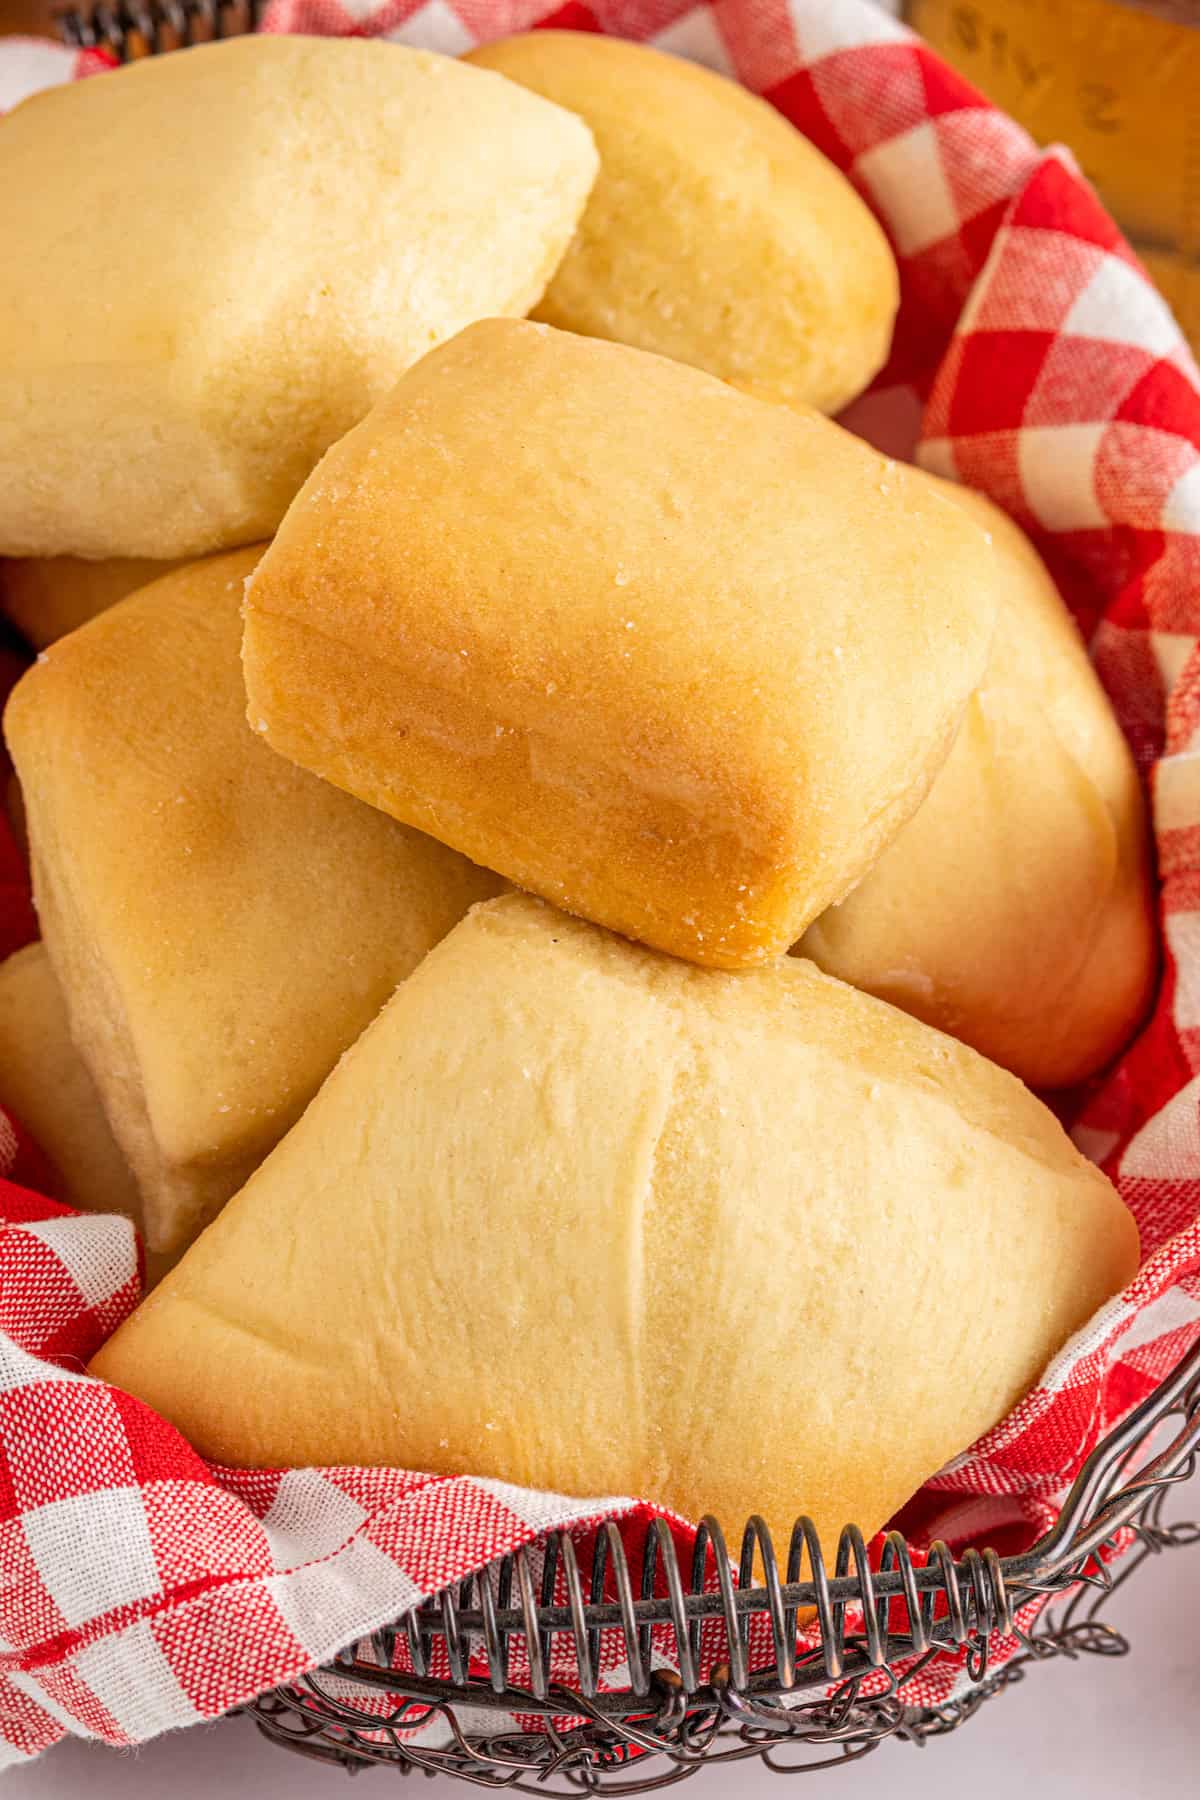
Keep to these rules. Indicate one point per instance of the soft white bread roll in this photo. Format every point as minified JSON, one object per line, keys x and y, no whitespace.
{"x":1014,"y":910}
{"x":679,"y":661}
{"x":45,"y":1082}
{"x":217,"y":260}
{"x":715,"y":233}
{"x":47,"y":596}
{"x":222,"y":924}
{"x":580,"y":1216}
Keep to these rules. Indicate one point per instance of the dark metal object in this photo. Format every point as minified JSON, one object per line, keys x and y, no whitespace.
{"x":665,"y":1725}
{"x":135,"y":28}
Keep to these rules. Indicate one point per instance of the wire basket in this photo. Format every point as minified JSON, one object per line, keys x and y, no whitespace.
{"x":807,"y":1709}
{"x":135,"y":28}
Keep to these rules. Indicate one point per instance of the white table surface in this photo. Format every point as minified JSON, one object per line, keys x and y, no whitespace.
{"x":1114,"y":1729}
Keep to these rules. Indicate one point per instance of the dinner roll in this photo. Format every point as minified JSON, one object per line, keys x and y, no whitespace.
{"x":217,"y":260}
{"x":679,"y":661}
{"x":222,"y":924}
{"x":579,"y":1216}
{"x":47,"y":596}
{"x":45,"y":1082}
{"x":1014,"y":910}
{"x":715,"y":233}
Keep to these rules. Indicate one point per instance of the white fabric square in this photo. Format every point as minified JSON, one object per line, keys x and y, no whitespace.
{"x":27,"y":65}
{"x":90,"y":1247}
{"x":1170,"y":1312}
{"x":1118,"y":304}
{"x":93,"y":1552}
{"x":1167,"y":1148}
{"x":29,"y":1684}
{"x":909,"y":185}
{"x":938,"y":456}
{"x":1183,"y":936}
{"x":20,"y":1370}
{"x":1058,"y":473}
{"x":1171,"y":652}
{"x":1177,"y":791}
{"x":821,"y":30}
{"x":309,"y":1517}
{"x":1182,"y":511}
{"x":1094,"y":1144}
{"x":543,"y":1511}
{"x":131,"y":1677}
{"x":435,"y":27}
{"x":697,"y":38}
{"x":325,"y":1605}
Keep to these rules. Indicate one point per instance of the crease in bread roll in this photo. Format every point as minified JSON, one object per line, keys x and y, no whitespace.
{"x":1015,"y":909}
{"x":256,"y":297}
{"x":676,"y":660}
{"x":564,"y":1175}
{"x":222,"y":924}
{"x":715,"y":233}
{"x":46,"y":1083}
{"x":45,"y":597}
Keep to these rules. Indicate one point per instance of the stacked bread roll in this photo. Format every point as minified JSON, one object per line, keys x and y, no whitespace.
{"x":597,"y":605}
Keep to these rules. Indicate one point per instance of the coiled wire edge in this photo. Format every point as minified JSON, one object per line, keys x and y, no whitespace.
{"x":832,"y":1703}
{"x":133,"y":29}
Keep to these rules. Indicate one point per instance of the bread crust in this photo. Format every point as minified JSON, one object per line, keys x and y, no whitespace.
{"x":250,"y":299}
{"x":715,"y":233}
{"x":601,"y":1221}
{"x":1015,"y":909}
{"x":676,"y":660}
{"x":47,"y":596}
{"x":222,"y":924}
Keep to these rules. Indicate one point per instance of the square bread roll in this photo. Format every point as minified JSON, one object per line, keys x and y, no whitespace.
{"x":1015,"y":909}
{"x":222,"y":924}
{"x":715,"y":233}
{"x":46,"y":1083}
{"x":47,"y":596}
{"x":217,"y":261}
{"x":609,"y":1224}
{"x":677,"y":660}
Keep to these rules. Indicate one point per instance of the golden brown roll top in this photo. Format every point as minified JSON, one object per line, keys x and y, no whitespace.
{"x":715,"y":232}
{"x":197,"y":300}
{"x":679,"y":661}
{"x":1015,"y":909}
{"x":561,"y":1176}
{"x":222,"y":924}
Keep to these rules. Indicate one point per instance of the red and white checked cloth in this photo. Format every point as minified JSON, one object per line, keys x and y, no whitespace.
{"x":141,"y":1588}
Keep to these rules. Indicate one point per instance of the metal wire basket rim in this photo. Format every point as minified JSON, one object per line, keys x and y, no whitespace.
{"x":1047,"y":1559}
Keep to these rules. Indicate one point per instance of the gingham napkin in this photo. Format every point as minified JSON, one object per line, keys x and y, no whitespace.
{"x":140,"y":1587}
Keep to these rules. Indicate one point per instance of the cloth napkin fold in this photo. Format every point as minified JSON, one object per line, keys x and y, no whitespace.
{"x":142,"y":1588}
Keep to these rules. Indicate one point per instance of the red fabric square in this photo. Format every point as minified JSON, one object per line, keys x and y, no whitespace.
{"x":1083,"y":376}
{"x":227,"y":1644}
{"x":997,"y":372}
{"x":421,"y":1538}
{"x":61,"y":1439}
{"x":201,"y":1533}
{"x":29,"y":1615}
